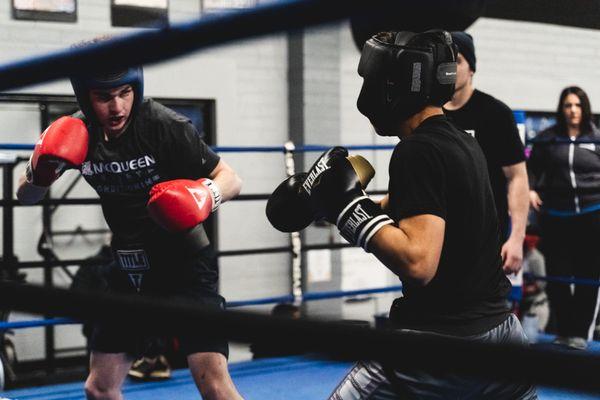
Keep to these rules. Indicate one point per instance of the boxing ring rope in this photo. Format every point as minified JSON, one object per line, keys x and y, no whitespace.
{"x":310,"y":296}
{"x":179,"y":39}
{"x":337,"y":340}
{"x":309,"y":148}
{"x":36,"y":323}
{"x":334,"y":294}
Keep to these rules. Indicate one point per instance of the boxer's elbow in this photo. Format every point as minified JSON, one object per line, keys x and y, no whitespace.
{"x":419,"y":273}
{"x":412,"y":260}
{"x":237,"y":185}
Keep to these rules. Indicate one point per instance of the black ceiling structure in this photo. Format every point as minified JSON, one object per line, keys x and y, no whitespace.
{"x":420,"y":15}
{"x":575,"y":13}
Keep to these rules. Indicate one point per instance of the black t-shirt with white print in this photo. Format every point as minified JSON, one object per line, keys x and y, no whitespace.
{"x":493,"y":125}
{"x":441,"y":170}
{"x":158,"y":145}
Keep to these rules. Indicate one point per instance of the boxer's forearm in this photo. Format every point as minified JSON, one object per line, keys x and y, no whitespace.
{"x":28,"y":193}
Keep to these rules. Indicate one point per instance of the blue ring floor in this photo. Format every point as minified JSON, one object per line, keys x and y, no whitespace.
{"x":290,"y":378}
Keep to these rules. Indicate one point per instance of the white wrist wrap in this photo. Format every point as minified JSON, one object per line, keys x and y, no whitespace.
{"x":216,"y":193}
{"x":29,"y":172}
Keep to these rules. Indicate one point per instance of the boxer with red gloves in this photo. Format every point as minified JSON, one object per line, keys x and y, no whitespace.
{"x":182,"y":204}
{"x":61,"y":146}
{"x":158,"y":182}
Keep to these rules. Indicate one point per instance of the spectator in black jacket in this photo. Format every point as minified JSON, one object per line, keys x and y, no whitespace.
{"x":564,"y":171}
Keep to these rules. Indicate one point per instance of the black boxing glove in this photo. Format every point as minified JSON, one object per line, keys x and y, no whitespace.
{"x":288,"y":208}
{"x":321,"y":165}
{"x":338,"y":197}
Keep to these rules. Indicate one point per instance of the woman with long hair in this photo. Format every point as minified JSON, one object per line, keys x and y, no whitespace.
{"x":564,"y":170}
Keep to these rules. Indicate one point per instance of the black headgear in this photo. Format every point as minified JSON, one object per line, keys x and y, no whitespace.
{"x":403,"y":72}
{"x":82,"y":84}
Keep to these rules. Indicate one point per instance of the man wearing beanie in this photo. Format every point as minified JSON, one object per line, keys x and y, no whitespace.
{"x":493,"y":125}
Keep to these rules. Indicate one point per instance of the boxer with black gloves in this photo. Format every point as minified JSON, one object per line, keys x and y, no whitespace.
{"x":339,"y":198}
{"x":294,"y":192}
{"x":157,"y":181}
{"x":439,"y":233}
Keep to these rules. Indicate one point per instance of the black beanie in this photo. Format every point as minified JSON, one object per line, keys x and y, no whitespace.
{"x":464,"y":41}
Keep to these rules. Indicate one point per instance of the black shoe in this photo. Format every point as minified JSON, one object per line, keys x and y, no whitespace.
{"x":161,"y":369}
{"x":147,"y":369}
{"x":141,"y":368}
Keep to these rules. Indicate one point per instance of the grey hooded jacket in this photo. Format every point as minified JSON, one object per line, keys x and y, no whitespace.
{"x":565,"y":172}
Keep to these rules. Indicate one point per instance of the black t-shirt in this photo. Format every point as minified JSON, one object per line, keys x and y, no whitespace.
{"x":159,"y":145}
{"x":440,"y":170}
{"x":493,"y":125}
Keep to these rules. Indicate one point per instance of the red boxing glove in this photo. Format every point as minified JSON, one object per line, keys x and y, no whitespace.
{"x":180,"y":204}
{"x":64,"y":144}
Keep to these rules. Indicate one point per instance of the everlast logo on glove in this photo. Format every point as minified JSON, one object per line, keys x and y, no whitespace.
{"x":358,"y":216}
{"x":317,"y":170}
{"x":360,"y":220}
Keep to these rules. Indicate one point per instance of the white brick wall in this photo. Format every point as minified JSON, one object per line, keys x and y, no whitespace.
{"x":527,"y":65}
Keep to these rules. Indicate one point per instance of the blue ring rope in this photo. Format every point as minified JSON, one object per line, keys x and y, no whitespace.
{"x":289,"y":298}
{"x":336,"y":293}
{"x":266,"y":300}
{"x":16,"y":146}
{"x":281,"y":149}
{"x":178,"y":39}
{"x":231,"y":304}
{"x":36,"y":323}
{"x":563,"y":279}
{"x":275,"y":149}
{"x":562,"y":141}
{"x":244,"y":149}
{"x":306,"y":297}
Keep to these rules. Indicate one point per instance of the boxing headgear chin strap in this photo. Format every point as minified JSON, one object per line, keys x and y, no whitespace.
{"x":82,"y":84}
{"x":403,"y":75}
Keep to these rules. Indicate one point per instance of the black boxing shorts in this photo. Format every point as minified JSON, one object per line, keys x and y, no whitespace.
{"x":193,"y":281}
